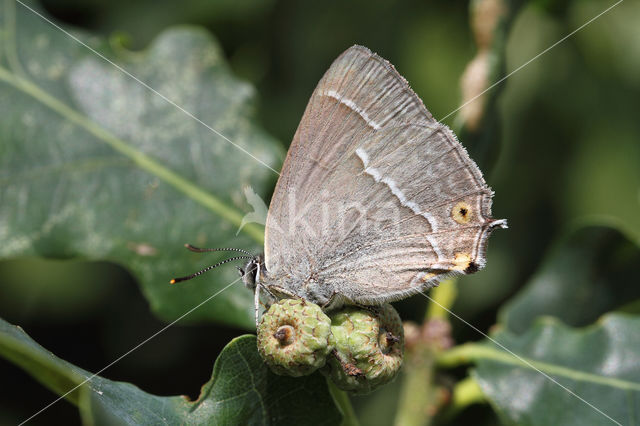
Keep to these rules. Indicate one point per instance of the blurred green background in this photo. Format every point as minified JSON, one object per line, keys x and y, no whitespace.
{"x":570,"y":149}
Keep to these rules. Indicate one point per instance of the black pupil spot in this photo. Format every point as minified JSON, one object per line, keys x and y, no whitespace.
{"x":463,"y":211}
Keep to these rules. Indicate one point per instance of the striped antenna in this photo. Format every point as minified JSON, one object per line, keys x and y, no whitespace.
{"x":208,"y":268}
{"x":203,"y":250}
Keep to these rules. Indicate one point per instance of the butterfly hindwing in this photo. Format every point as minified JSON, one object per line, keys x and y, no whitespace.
{"x":424,"y":212}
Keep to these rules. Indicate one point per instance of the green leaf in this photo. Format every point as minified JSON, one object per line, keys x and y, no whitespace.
{"x":596,"y":372}
{"x":95,"y":165}
{"x":241,"y":390}
{"x":588,"y":273}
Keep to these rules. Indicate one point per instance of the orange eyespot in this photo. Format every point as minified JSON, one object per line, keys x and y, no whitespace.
{"x":428,"y":276}
{"x":461,"y":261}
{"x":462,"y":212}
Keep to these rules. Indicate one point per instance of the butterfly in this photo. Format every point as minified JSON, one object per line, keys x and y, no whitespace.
{"x":376,"y":200}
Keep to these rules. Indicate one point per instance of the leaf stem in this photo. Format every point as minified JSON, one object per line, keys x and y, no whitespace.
{"x":466,"y":392}
{"x":420,"y":396}
{"x":442,"y":301}
{"x":341,"y":399}
{"x":143,"y":161}
{"x":10,"y":37}
{"x":464,"y":354}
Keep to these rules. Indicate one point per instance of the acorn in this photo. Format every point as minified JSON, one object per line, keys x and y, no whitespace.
{"x":368,"y":348}
{"x":293,"y":337}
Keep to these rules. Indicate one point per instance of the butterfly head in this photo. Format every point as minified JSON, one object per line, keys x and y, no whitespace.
{"x":252,"y":272}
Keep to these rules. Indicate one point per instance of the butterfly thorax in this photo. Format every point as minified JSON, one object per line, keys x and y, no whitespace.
{"x":309,"y":287}
{"x":253,"y":271}
{"x":277,"y":284}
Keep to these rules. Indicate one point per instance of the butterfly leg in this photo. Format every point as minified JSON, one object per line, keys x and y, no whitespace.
{"x":336,"y":300}
{"x":263,"y":299}
{"x":256,"y":305}
{"x":375,"y":310}
{"x":281,"y":293}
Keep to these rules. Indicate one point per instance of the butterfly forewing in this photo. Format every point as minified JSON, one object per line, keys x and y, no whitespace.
{"x":376,"y":199}
{"x":358,"y":95}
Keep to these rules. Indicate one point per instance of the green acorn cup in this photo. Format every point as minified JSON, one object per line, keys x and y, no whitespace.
{"x":293,"y":337}
{"x":368,"y":348}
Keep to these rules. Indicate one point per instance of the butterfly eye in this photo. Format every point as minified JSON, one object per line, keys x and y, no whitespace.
{"x":462,"y":212}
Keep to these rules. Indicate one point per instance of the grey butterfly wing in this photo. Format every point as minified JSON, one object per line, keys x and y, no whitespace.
{"x":425,"y":212}
{"x":363,"y":207}
{"x":360,"y":94}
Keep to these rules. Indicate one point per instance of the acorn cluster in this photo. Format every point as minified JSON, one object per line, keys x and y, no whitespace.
{"x":358,"y":348}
